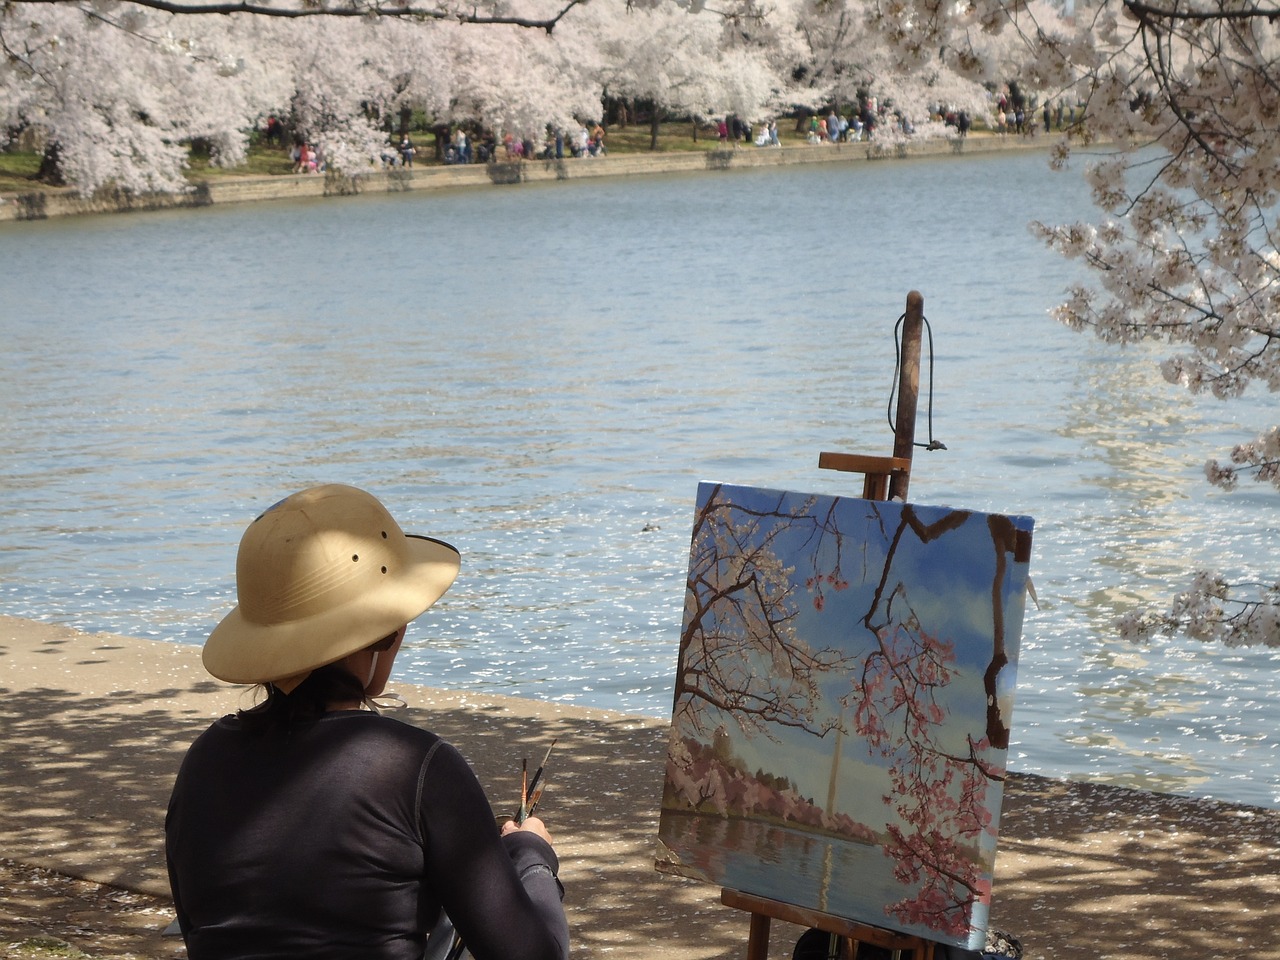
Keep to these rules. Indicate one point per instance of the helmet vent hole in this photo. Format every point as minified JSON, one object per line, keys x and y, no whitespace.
{"x":355,"y":558}
{"x":384,"y":569}
{"x":384,"y":534}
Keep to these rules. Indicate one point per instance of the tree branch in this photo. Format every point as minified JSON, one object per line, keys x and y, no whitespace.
{"x":1146,"y":12}
{"x":351,"y":8}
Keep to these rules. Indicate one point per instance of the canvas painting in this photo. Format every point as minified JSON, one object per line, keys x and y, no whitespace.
{"x":842,"y":705}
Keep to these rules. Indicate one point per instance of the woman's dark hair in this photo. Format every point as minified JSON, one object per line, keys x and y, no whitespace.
{"x":309,"y":699}
{"x":306,"y":703}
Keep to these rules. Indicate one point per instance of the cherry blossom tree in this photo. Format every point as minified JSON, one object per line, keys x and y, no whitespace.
{"x":690,"y":64}
{"x":540,"y":15}
{"x":121,"y":89}
{"x":841,"y":59}
{"x":121,"y":124}
{"x":1183,"y":95}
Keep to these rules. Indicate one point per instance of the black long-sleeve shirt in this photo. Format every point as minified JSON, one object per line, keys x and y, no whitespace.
{"x":345,"y":838}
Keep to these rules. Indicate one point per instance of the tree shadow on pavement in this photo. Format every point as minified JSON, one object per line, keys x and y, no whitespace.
{"x":1083,"y":870}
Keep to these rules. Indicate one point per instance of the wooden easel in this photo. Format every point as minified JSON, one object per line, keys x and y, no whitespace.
{"x":884,"y":478}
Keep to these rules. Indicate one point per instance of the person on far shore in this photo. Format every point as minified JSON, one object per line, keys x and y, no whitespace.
{"x":310,"y":826}
{"x":306,"y":159}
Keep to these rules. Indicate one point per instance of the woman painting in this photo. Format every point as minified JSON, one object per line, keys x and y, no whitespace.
{"x":311,"y":826}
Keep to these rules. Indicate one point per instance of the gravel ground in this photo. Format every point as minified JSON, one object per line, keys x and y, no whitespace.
{"x":48,"y":914}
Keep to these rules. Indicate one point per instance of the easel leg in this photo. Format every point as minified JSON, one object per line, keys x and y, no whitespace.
{"x":758,"y":938}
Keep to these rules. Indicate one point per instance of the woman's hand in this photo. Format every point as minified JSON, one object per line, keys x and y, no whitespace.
{"x":533,"y":824}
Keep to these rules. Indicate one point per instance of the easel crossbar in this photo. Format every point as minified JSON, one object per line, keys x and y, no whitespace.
{"x":763,"y":909}
{"x":878,"y":472}
{"x":859,"y":463}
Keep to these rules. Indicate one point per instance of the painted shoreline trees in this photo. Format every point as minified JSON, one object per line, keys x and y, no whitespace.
{"x":846,"y":673}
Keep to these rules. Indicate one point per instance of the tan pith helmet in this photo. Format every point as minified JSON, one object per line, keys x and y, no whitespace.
{"x":320,"y":575}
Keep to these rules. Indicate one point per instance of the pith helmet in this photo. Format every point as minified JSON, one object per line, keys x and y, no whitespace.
{"x":320,"y":575}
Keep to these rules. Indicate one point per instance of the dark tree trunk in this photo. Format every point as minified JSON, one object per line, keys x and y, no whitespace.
{"x":50,"y":171}
{"x":442,"y":132}
{"x":615,"y":111}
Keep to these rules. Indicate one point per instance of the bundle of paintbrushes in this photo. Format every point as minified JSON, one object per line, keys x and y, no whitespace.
{"x":530,"y":793}
{"x":531,"y":789}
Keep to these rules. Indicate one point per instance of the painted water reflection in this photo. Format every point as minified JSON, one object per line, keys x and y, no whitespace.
{"x":847,"y":880}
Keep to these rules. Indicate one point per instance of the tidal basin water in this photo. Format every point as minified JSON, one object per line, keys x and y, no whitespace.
{"x":542,"y":374}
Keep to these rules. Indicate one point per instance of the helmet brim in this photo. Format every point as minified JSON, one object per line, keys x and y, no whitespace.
{"x":242,"y":651}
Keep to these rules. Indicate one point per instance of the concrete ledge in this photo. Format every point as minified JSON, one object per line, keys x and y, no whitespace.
{"x":43,"y":204}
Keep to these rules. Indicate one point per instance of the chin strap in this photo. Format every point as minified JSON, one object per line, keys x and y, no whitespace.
{"x":373,"y":668}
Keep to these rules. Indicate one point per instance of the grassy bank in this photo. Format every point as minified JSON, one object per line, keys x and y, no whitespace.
{"x":18,"y":169}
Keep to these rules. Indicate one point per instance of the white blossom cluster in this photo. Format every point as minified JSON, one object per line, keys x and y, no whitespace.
{"x":1212,"y":610}
{"x":1260,"y":456}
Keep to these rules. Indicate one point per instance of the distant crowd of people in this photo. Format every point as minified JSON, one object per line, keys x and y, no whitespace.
{"x":859,"y":123}
{"x":306,"y":157}
{"x":1014,"y":116}
{"x":470,"y":146}
{"x":465,"y":145}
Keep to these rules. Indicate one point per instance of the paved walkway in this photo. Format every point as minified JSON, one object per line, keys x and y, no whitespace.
{"x":93,"y":729}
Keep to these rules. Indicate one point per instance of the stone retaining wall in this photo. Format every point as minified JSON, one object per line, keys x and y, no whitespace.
{"x":40,"y":205}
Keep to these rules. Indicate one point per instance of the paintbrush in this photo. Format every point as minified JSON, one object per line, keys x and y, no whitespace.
{"x":524,"y":791}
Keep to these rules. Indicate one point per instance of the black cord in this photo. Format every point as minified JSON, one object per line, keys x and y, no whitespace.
{"x":897,"y":370}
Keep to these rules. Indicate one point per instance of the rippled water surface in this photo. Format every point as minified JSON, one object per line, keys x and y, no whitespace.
{"x":542,"y":374}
